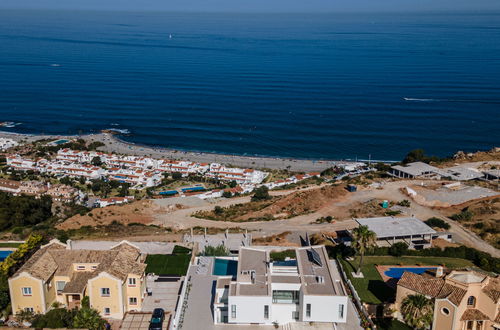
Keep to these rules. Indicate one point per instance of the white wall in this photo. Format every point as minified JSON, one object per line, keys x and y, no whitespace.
{"x":250,"y":309}
{"x":282,"y":313}
{"x":323,"y":308}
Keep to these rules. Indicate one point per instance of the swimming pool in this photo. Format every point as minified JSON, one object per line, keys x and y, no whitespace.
{"x":4,"y":254}
{"x":397,"y":272}
{"x":225,"y":267}
{"x":59,"y":142}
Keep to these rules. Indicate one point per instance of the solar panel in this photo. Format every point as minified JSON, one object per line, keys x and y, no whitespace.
{"x":314,"y":257}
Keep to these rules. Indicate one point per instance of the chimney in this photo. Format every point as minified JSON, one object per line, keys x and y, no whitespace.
{"x":205,"y":232}
{"x":227,"y":233}
{"x":439,"y":271}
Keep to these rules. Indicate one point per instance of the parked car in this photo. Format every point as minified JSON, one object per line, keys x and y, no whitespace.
{"x":157,"y":318}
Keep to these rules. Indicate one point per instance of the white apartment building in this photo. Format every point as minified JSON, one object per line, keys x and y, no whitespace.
{"x":21,"y":164}
{"x":7,"y":143}
{"x":303,"y":289}
{"x":135,"y":177}
{"x":239,"y":175}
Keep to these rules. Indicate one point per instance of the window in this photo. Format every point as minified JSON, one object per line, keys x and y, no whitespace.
{"x":308,"y":310}
{"x":94,"y":267}
{"x":471,"y":301}
{"x":233,"y":311}
{"x":26,"y":291}
{"x":132,"y":301}
{"x":80,"y":267}
{"x":60,"y":286}
{"x":285,"y":297}
{"x":29,"y":309}
{"x":341,"y":311}
{"x":105,"y":292}
{"x":107,"y":311}
{"x":266,"y":312}
{"x":445,"y":311}
{"x":131,"y":281}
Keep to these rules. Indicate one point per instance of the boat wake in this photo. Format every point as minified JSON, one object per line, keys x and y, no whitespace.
{"x":419,"y":100}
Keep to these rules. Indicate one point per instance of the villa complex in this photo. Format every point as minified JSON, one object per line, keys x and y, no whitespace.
{"x":266,"y":292}
{"x":463,"y":300}
{"x":113,"y":279}
{"x":138,"y":171}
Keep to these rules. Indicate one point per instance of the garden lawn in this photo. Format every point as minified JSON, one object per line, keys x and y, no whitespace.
{"x":9,"y":245}
{"x":372,"y":289}
{"x":162,"y":264}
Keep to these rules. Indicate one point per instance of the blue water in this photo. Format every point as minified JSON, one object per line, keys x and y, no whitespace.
{"x":312,"y":86}
{"x":4,"y":254}
{"x":397,"y":272}
{"x":224,"y":267}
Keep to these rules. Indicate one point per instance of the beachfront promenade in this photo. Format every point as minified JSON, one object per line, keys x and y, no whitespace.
{"x":113,"y":144}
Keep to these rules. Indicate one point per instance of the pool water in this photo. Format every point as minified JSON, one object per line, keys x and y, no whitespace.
{"x":397,"y":272}
{"x":58,"y":142}
{"x":4,"y":254}
{"x":225,"y":267}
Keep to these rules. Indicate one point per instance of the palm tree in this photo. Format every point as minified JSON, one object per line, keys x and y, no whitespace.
{"x":88,"y":318}
{"x":363,"y":239}
{"x":417,"y":311}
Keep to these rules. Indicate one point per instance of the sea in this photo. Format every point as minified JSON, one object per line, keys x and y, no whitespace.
{"x":320,"y":86}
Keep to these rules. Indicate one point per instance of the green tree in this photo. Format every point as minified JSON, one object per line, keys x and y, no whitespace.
{"x":54,"y":319}
{"x":96,"y":161}
{"x":176,"y":176}
{"x":417,"y":311}
{"x":363,"y":239}
{"x":88,"y":318}
{"x":398,"y":249}
{"x":218,"y":210}
{"x":416,"y":155}
{"x":261,"y":193}
{"x":227,"y":194}
{"x":233,"y":184}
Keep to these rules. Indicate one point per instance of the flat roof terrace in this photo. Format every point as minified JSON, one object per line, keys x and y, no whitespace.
{"x":389,"y":227}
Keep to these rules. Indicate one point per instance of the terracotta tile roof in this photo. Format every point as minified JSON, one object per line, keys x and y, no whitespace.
{"x":492,"y":290}
{"x":452,"y":293}
{"x":472,"y":314}
{"x":421,"y":284}
{"x":55,"y":259}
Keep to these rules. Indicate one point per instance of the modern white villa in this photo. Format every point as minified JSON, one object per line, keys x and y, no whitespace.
{"x":303,"y":289}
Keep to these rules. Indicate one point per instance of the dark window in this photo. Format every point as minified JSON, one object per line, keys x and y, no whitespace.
{"x":266,"y":312}
{"x":308,"y":310}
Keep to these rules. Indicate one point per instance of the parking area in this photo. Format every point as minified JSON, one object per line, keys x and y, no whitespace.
{"x":136,"y":321}
{"x":163,"y":295}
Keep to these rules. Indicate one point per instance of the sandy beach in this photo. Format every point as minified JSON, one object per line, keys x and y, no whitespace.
{"x":114,"y":144}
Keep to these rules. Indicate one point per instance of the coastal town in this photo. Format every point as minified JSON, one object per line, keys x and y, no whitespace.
{"x":152,"y":242}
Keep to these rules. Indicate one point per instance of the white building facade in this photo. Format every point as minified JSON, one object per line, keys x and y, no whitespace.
{"x":280,"y":292}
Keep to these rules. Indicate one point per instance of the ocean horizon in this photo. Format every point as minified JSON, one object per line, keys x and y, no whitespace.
{"x":321,"y":86}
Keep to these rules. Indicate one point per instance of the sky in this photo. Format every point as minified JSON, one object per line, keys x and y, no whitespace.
{"x":260,"y":5}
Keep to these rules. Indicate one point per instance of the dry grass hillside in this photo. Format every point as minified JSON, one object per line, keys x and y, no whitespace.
{"x":283,"y":207}
{"x":137,"y":212}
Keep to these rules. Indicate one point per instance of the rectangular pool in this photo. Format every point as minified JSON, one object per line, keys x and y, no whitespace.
{"x":225,"y":267}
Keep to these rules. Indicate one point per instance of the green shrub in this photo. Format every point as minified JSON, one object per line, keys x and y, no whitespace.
{"x":215,"y":251}
{"x":398,"y":249}
{"x":464,"y":215}
{"x":282,"y":255}
{"x":260,"y":194}
{"x":436,"y":222}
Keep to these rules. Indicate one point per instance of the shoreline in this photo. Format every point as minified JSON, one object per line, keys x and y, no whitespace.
{"x":113,"y":143}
